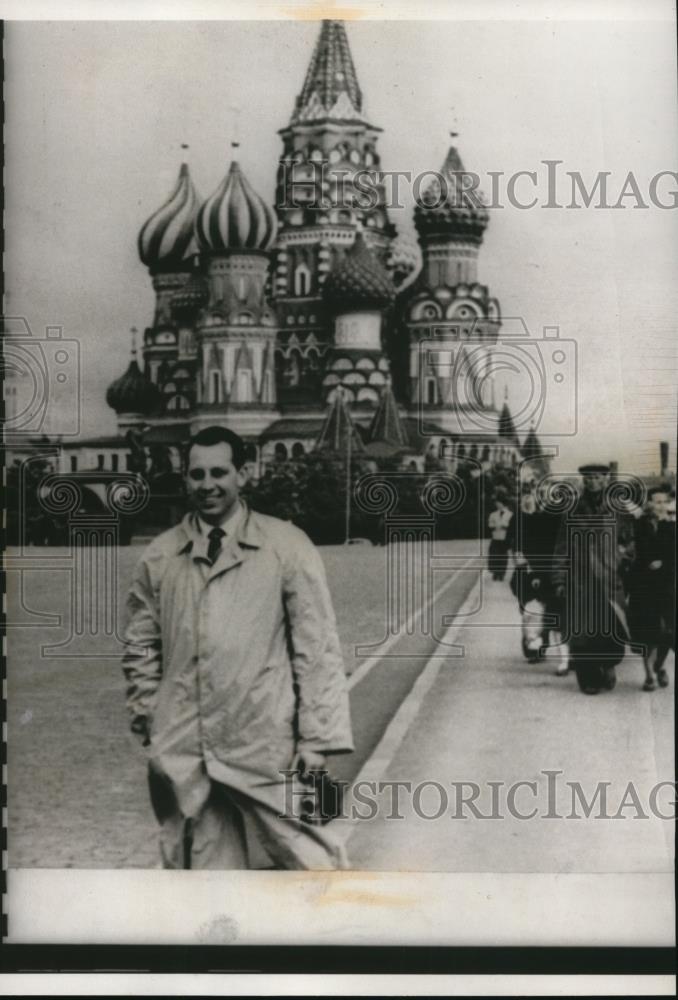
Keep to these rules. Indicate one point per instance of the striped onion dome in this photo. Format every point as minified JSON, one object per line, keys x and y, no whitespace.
{"x":166,"y":239}
{"x":358,"y":281}
{"x":235,"y":217}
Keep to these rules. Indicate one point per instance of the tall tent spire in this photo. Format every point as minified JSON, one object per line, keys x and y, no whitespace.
{"x":386,"y":424}
{"x":331,"y":87}
{"x":338,"y":429}
{"x":532,"y":445}
{"x":507,"y":428}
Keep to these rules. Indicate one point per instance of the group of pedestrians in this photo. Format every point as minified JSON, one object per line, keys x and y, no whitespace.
{"x":591,"y":581}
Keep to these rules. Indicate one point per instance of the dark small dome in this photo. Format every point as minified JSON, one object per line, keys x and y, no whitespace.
{"x":133,"y":392}
{"x":358,"y":281}
{"x":448,"y":207}
{"x":191,"y":296}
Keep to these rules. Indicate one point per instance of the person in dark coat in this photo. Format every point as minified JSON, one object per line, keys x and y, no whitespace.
{"x":593,"y":541}
{"x":532,"y":539}
{"x":651,"y":588}
{"x":498,"y":523}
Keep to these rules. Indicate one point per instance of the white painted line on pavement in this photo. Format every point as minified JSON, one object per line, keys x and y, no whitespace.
{"x":375,"y":766}
{"x":408,"y":626}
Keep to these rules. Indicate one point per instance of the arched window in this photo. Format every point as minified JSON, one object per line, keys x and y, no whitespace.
{"x":245,"y":386}
{"x":74,"y":463}
{"x":216,"y":387}
{"x":431,"y":393}
{"x":280,"y":453}
{"x":302,"y":280}
{"x":292,"y":369}
{"x":442,"y":448}
{"x":186,"y":345}
{"x":114,"y":463}
{"x":297,"y":450}
{"x":178,"y":404}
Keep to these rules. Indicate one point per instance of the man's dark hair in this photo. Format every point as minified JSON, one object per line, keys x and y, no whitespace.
{"x":658,"y":489}
{"x":209,"y":436}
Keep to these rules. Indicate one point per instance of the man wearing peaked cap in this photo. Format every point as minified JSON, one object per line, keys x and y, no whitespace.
{"x":594,"y":469}
{"x":593,"y":543}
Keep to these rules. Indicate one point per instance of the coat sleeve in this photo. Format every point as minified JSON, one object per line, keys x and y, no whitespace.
{"x":323,"y":716}
{"x":142,"y":658}
{"x":560,"y":555}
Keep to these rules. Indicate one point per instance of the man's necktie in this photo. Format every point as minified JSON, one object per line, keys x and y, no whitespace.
{"x":214,"y":547}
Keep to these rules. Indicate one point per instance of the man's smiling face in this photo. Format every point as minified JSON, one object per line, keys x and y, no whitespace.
{"x":213,"y":482}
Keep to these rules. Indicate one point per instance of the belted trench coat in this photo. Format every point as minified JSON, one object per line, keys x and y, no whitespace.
{"x":237,"y":665}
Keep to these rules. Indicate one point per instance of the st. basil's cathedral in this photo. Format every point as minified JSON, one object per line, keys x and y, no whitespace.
{"x":285,"y":323}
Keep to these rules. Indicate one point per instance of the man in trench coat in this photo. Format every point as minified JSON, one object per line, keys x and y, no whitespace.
{"x":594,"y":540}
{"x":234,"y":675}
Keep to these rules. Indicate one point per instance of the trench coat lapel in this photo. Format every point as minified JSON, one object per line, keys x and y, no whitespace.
{"x":238,"y":547}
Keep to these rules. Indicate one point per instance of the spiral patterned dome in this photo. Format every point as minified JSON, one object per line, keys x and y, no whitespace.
{"x":235,"y":217}
{"x":133,"y":392}
{"x":167,"y":238}
{"x":448,"y":206}
{"x":358,"y":281}
{"x":405,"y":259}
{"x":191,"y":296}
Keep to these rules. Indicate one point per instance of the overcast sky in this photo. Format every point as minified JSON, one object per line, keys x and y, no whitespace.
{"x":96,"y":114}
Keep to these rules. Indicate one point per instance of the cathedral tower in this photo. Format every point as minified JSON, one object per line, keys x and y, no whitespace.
{"x":167,"y":247}
{"x":450,"y":318}
{"x":357,"y":292}
{"x":236,"y":332}
{"x":328,"y":184}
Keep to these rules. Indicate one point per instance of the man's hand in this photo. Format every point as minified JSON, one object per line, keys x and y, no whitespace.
{"x":140,"y":727}
{"x":536,"y":583}
{"x":560,"y":590}
{"x":520,"y":559}
{"x":306,"y":762}
{"x":656,"y":564}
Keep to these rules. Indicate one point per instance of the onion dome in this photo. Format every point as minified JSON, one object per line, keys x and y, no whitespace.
{"x":190,"y":297}
{"x":166,"y":239}
{"x":448,"y":207}
{"x":235,"y":217}
{"x":358,"y":281}
{"x":133,"y":392}
{"x":404,"y":260}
